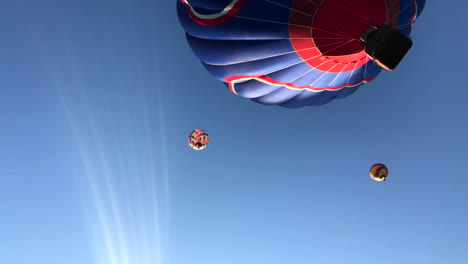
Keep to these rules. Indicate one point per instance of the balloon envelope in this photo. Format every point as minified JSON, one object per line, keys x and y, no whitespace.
{"x":291,"y":53}
{"x":198,"y":139}
{"x":378,"y":172}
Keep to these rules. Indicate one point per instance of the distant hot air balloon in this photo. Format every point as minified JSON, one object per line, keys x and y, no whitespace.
{"x":296,"y":53}
{"x":198,"y":139}
{"x":378,"y":172}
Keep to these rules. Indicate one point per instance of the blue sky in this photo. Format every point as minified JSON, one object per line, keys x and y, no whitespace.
{"x":97,"y":98}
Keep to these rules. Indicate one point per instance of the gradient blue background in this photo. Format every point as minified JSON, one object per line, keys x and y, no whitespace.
{"x":97,"y":98}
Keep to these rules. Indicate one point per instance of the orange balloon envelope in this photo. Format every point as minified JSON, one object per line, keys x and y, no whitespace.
{"x":378,"y":172}
{"x":198,"y":139}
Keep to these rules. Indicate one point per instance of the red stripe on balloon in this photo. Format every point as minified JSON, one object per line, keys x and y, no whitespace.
{"x":231,"y":80}
{"x":210,"y":22}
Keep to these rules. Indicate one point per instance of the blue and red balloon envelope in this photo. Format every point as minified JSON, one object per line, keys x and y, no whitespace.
{"x":291,"y":53}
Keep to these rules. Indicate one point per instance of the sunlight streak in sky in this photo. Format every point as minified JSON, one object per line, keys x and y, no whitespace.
{"x":125,"y":193}
{"x":123,"y":166}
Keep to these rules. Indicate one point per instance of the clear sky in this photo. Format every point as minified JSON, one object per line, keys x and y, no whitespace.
{"x":97,"y":98}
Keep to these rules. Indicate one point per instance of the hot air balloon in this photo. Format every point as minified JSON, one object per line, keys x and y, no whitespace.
{"x":378,"y":172}
{"x":198,"y":139}
{"x":296,"y":53}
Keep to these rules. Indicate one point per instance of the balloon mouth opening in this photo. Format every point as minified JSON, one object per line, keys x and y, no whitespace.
{"x":337,"y":25}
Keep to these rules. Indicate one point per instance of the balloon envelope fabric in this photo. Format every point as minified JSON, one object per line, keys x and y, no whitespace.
{"x":291,"y":53}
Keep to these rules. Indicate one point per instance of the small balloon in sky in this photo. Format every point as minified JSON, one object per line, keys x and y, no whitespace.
{"x":198,"y":139}
{"x":378,"y":172}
